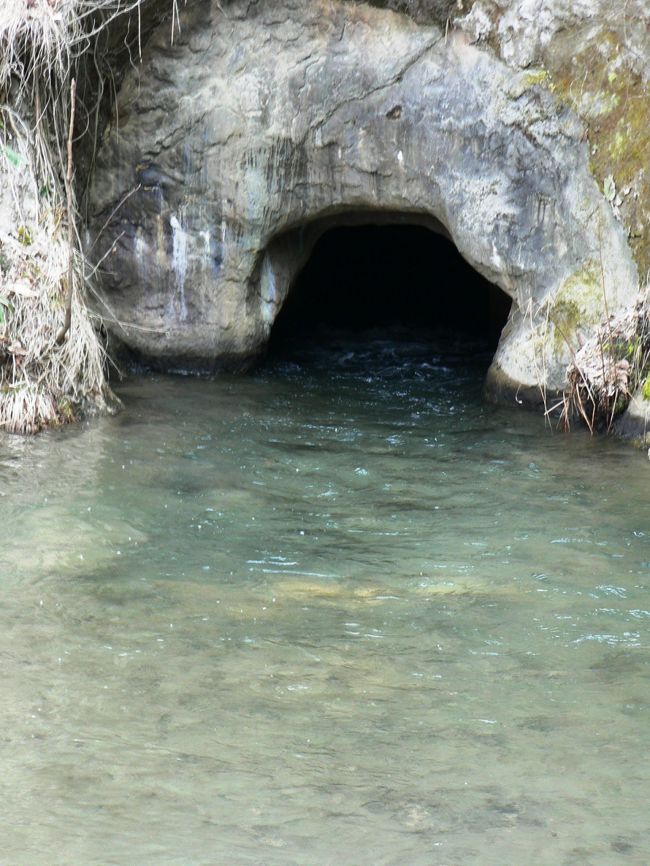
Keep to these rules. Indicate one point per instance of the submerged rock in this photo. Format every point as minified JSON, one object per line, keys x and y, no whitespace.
{"x":234,"y":149}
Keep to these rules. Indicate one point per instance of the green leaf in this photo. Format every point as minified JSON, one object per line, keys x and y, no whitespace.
{"x":14,"y":158}
{"x":25,"y":235}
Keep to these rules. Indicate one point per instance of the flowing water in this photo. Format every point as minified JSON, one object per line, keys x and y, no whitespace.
{"x":335,"y":612}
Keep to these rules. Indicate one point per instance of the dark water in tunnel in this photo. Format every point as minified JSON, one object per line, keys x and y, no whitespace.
{"x":336,"y":612}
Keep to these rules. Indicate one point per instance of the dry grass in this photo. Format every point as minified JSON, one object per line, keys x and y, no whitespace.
{"x":42,"y":44}
{"x":43,"y":382}
{"x":609,"y":368}
{"x":40,"y":37}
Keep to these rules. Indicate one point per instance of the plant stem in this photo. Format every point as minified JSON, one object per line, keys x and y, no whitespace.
{"x":71,"y":216}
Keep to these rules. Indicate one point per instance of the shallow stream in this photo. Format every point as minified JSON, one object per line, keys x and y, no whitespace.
{"x":335,"y":612}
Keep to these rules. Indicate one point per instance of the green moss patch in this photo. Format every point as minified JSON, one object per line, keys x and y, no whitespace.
{"x":614,"y":105}
{"x":579,"y":301}
{"x":533,"y":77}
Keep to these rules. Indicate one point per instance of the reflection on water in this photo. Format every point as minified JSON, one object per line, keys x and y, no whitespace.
{"x":334,"y":612}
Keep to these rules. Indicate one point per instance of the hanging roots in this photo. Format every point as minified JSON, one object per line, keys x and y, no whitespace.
{"x":609,"y":368}
{"x":43,"y":273}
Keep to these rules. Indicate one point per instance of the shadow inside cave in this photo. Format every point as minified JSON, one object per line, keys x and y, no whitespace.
{"x":396,"y":279}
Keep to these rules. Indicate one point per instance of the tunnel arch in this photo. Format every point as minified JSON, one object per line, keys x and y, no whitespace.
{"x":203,"y":207}
{"x":361,"y":270}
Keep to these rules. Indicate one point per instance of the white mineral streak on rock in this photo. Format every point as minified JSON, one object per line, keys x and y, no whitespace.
{"x":206,"y":238}
{"x":179,"y":262}
{"x":141,"y":250}
{"x":268,"y":293}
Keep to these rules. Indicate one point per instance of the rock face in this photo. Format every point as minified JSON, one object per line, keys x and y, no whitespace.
{"x":634,"y":423}
{"x":595,"y":58}
{"x":266,"y":123}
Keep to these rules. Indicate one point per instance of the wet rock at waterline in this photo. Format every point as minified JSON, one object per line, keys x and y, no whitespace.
{"x":634,"y":423}
{"x":263,"y":126}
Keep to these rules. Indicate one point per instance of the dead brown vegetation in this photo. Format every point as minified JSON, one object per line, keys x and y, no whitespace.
{"x":609,"y":368}
{"x":52,"y":364}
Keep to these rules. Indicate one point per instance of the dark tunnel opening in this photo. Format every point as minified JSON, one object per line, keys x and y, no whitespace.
{"x":398,"y":277}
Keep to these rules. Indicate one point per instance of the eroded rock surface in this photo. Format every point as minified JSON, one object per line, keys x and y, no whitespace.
{"x":264,"y":124}
{"x":595,"y":57}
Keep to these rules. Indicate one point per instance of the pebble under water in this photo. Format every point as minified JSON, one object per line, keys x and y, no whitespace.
{"x":338,"y":611}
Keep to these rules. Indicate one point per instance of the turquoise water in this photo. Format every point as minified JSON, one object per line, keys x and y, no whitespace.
{"x":335,"y":612}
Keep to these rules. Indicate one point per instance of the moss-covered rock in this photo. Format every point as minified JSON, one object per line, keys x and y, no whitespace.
{"x":579,"y":304}
{"x":612,"y":100}
{"x":597,"y":65}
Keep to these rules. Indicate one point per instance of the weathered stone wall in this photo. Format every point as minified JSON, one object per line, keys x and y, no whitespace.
{"x":594,"y":56}
{"x":233,"y":148}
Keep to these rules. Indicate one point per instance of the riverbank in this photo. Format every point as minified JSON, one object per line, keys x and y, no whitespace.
{"x":200,"y":231}
{"x":52,"y":363}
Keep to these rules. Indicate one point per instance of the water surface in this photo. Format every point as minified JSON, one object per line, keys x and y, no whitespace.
{"x":335,"y":612}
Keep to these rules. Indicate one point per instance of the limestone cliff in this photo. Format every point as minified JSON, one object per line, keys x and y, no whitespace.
{"x":233,"y":149}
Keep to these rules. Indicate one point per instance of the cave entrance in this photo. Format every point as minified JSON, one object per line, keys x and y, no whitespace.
{"x":399,"y":277}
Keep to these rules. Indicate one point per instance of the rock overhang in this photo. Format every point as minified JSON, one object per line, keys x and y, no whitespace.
{"x":238,"y":145}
